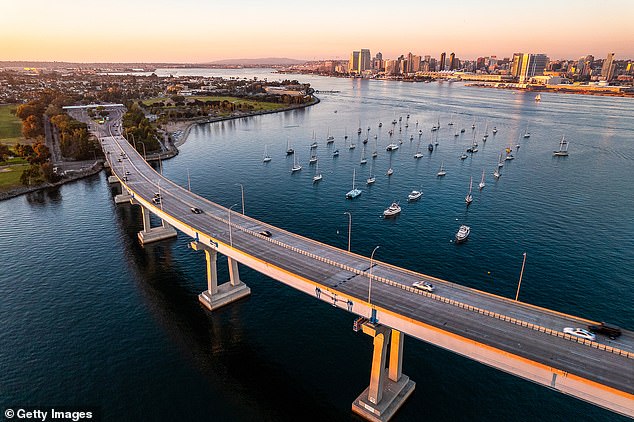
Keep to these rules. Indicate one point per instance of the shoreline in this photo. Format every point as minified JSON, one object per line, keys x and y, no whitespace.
{"x":172,"y":149}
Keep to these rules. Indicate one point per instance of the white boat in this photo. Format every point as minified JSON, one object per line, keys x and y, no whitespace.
{"x":392,"y":210}
{"x":372,"y":178}
{"x":482,"y":184}
{"x":509,"y":157}
{"x":469,"y":198}
{"x":296,"y":166}
{"x":496,"y":173}
{"x":335,"y":153}
{"x":527,"y":134}
{"x":391,"y":147}
{"x":495,"y":130}
{"x":330,"y":139}
{"x":414,"y":195}
{"x":313,"y":145}
{"x":266,"y":157}
{"x":473,"y":125}
{"x":363,"y":159}
{"x":418,"y":153}
{"x":463,"y":233}
{"x":317,"y":177}
{"x":563,"y":148}
{"x":500,"y":161}
{"x":390,"y":171}
{"x":442,"y":171}
{"x":354,"y":192}
{"x":538,"y":98}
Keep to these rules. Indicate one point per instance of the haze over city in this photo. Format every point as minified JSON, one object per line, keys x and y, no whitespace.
{"x":196,"y":31}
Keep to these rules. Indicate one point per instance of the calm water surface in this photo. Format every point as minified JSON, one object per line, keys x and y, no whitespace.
{"x":89,"y":317}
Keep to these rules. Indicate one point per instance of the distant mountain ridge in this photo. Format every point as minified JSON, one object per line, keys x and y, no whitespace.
{"x":265,"y":60}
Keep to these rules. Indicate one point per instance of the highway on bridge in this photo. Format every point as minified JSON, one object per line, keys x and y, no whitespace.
{"x":515,"y":337}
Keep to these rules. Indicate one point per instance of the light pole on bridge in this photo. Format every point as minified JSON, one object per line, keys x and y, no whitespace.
{"x":242,"y":195}
{"x":373,"y":314}
{"x":349,"y":228}
{"x":230,"y":235}
{"x":519,"y":284}
{"x":142,"y":143}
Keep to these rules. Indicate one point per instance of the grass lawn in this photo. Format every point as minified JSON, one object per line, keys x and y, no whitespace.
{"x":10,"y":176}
{"x":10,"y":126}
{"x":258,"y":105}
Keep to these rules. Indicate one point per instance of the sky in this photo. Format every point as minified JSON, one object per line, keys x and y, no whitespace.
{"x":199,"y":31}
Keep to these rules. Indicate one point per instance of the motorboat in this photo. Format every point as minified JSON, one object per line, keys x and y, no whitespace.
{"x":392,"y":210}
{"x":391,"y":147}
{"x":414,"y":195}
{"x":463,"y":233}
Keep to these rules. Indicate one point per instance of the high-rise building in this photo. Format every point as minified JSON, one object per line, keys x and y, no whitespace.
{"x":531,"y":65}
{"x":516,"y":66}
{"x":379,"y":56}
{"x":391,"y":67}
{"x":452,"y":61}
{"x":607,"y":70}
{"x":353,"y":65}
{"x":442,"y":61}
{"x":365,"y":61}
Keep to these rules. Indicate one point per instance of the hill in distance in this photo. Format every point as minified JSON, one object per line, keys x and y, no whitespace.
{"x":262,"y":61}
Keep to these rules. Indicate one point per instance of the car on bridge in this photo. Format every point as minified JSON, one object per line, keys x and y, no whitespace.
{"x":266,"y":233}
{"x":156,"y":199}
{"x":423,"y":285}
{"x":196,"y":210}
{"x":611,"y":331}
{"x":580,"y":332}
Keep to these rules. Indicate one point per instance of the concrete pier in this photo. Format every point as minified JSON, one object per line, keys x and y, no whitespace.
{"x":388,"y":388}
{"x":216,"y":295}
{"x":151,"y":234}
{"x":122,"y":198}
{"x":113,"y":179}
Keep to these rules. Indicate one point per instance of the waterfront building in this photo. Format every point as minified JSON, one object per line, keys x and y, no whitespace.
{"x":353,"y":65}
{"x":443,"y":57}
{"x":391,"y":67}
{"x":452,"y":61}
{"x":607,"y":70}
{"x":365,"y":60}
{"x":531,"y":65}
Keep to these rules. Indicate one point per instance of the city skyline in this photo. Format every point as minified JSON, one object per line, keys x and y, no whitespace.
{"x":197,"y":32}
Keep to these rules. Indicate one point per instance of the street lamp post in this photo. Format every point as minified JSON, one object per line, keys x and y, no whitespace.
{"x":230,"y":235}
{"x":349,"y":228}
{"x":521,"y":273}
{"x":142,"y":143}
{"x":242,"y":195}
{"x":373,"y":315}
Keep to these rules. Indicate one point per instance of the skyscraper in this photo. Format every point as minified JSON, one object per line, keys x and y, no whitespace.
{"x":443,"y":57}
{"x":532,"y":65}
{"x":452,"y":61}
{"x":365,"y":60}
{"x":354,"y":61}
{"x":517,"y":64}
{"x":607,"y":71}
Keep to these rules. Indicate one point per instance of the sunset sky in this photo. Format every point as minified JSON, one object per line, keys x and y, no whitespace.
{"x":207,"y":30}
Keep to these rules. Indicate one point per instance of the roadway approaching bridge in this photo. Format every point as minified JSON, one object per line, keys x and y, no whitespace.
{"x":518,"y":338}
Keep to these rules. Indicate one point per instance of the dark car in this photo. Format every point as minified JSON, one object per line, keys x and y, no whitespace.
{"x":196,"y":210}
{"x":611,"y":331}
{"x":265,"y":233}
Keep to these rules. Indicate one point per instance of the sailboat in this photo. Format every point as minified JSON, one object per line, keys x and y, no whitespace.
{"x":390,"y":170}
{"x":450,"y":121}
{"x":482,"y":185}
{"x":372,"y":178}
{"x":289,"y":148}
{"x":442,"y":171}
{"x":418,"y":153}
{"x":296,"y":166}
{"x":266,"y":157}
{"x":563,"y":148}
{"x":335,"y":153}
{"x":469,"y":198}
{"x":527,"y":134}
{"x":354,"y":192}
{"x":415,"y":195}
{"x":330,"y":139}
{"x":473,"y":125}
{"x":496,"y":173}
{"x":317,"y":176}
{"x":375,"y":153}
{"x":500,"y":161}
{"x":486,"y":132}
{"x":363,"y":159}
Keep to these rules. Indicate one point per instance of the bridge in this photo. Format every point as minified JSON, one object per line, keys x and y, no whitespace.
{"x":518,"y":338}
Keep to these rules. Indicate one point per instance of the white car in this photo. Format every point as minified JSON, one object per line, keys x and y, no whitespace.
{"x":423,"y":285}
{"x":580,"y":332}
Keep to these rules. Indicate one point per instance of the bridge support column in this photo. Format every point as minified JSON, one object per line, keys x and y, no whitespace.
{"x":113,"y":179}
{"x":388,"y":388}
{"x":123,"y":197}
{"x":151,"y":234}
{"x":217,"y":296}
